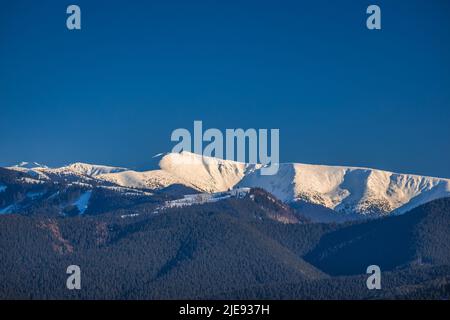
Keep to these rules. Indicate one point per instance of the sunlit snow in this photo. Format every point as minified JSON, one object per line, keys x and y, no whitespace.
{"x":82,"y":202}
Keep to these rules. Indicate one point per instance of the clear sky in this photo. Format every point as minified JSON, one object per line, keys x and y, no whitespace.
{"x":340,"y":94}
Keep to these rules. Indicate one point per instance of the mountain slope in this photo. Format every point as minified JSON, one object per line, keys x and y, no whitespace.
{"x":91,"y":169}
{"x":77,"y":172}
{"x":28,"y":165}
{"x":418,"y":238}
{"x":154,"y":179}
{"x":64,"y":193}
{"x":201,"y":173}
{"x":194,"y":252}
{"x":219,"y":250}
{"x":350,"y":190}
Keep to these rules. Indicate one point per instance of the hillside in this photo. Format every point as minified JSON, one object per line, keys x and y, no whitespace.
{"x":233,"y":249}
{"x":419,"y":238}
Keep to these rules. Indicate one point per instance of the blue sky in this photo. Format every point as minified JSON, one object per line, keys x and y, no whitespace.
{"x":340,"y":94}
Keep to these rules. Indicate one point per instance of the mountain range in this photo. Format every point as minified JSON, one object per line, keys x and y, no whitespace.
{"x":323,"y":193}
{"x":206,"y":228}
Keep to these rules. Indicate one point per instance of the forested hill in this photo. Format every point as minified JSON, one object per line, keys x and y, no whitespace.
{"x":232,"y":249}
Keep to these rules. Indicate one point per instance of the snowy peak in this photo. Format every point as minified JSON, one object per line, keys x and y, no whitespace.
{"x":77,"y":168}
{"x":91,"y":169}
{"x":350,"y":189}
{"x":346,"y":190}
{"x":76,"y":172}
{"x":204,"y":173}
{"x":33,"y":169}
{"x":29,"y":165}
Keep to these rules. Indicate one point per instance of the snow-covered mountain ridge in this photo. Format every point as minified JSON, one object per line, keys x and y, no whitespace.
{"x":350,"y":189}
{"x":346,"y":190}
{"x":78,"y":168}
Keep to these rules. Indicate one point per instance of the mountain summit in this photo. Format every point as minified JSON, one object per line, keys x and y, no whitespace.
{"x":29,"y":165}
